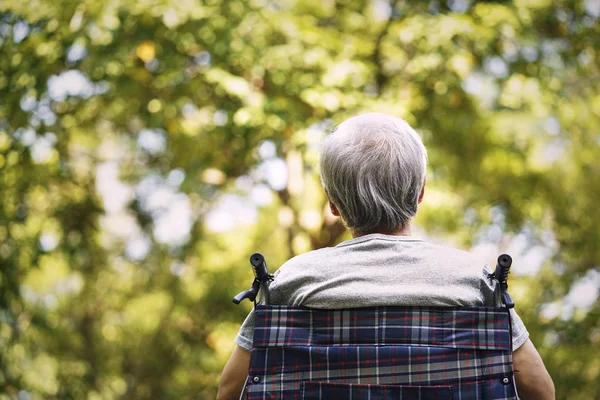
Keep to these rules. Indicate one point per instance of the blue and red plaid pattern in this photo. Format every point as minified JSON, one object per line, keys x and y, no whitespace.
{"x":381,"y":353}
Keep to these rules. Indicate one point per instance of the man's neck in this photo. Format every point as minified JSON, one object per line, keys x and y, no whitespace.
{"x":398,"y":232}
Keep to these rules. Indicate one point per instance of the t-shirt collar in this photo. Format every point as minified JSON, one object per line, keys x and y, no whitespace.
{"x":379,"y":236}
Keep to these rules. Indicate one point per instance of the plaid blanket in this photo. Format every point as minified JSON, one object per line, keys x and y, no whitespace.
{"x":381,"y":353}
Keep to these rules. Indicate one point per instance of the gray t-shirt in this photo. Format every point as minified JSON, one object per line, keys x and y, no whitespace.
{"x":378,"y":270}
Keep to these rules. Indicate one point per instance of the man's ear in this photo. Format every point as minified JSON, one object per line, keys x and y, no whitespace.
{"x":332,"y":207}
{"x":422,"y":193}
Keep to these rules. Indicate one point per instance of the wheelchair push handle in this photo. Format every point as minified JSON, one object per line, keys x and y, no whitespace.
{"x":246,"y":294}
{"x":259,"y":266}
{"x":260,"y":286}
{"x":501,"y":275}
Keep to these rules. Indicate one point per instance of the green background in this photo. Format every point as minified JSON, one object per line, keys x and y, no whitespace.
{"x":148,"y":147}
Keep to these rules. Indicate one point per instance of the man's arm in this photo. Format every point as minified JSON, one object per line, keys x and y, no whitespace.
{"x":234,"y":375}
{"x":533,"y":381}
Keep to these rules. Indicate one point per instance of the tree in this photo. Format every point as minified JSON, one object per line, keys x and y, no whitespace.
{"x":147,"y":148}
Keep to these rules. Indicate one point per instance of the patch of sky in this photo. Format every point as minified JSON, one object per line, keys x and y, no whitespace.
{"x":382,"y":10}
{"x":34,"y":120}
{"x":203,"y":59}
{"x":244,"y":183}
{"x":28,"y":103}
{"x":585,"y":58}
{"x":26,"y":136}
{"x":177,"y":268}
{"x":5,"y":30}
{"x":23,"y":395}
{"x":530,"y":253}
{"x":171,"y":211}
{"x":582,"y":295}
{"x":592,"y":8}
{"x":69,"y":284}
{"x":138,"y":248}
{"x":174,"y":224}
{"x":69,"y":83}
{"x":496,"y":66}
{"x":176,"y":177}
{"x":101,"y":87}
{"x":76,"y":53}
{"x":40,"y":111}
{"x":562,"y":15}
{"x":316,"y":133}
{"x":552,"y":49}
{"x":261,"y":195}
{"x":267,"y":149}
{"x":20,"y":31}
{"x":189,"y":110}
{"x":275,"y":172}
{"x":48,"y":241}
{"x":115,"y":194}
{"x":529,"y":53}
{"x":41,"y":150}
{"x":152,"y":141}
{"x":552,"y":126}
{"x":482,"y":87}
{"x":530,"y":247}
{"x":585,"y":291}
{"x":554,"y":150}
{"x":220,"y":117}
{"x":230,"y":211}
{"x":45,"y":113}
{"x":459,"y":6}
{"x":470,"y":216}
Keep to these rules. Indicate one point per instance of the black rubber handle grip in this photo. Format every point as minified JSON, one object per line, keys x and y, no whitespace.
{"x":241,"y":296}
{"x":259,"y":266}
{"x":503,"y":267}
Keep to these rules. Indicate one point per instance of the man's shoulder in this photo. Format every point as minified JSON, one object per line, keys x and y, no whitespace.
{"x":455,"y":258}
{"x":450,"y":252}
{"x":310,"y":259}
{"x":405,"y":271}
{"x":427,"y":253}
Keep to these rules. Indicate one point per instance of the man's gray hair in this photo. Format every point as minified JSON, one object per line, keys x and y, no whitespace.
{"x":373,"y":169}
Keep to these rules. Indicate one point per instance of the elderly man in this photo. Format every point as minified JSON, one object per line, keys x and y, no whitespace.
{"x":373,"y":171}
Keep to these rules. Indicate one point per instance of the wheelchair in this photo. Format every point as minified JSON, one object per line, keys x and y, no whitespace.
{"x":380,"y":352}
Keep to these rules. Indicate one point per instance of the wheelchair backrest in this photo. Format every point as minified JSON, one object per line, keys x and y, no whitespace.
{"x":381,"y":353}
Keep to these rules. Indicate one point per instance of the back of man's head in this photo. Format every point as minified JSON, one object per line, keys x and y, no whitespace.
{"x":373,"y":169}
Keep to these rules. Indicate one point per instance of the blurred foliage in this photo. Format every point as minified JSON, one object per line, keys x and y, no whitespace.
{"x":138,"y":144}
